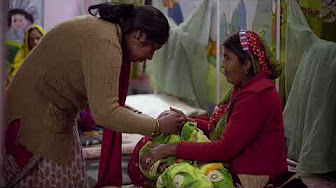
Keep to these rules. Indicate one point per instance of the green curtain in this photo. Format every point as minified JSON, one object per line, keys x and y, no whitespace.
{"x":180,"y":68}
{"x":309,"y":114}
{"x":186,"y":66}
{"x":320,"y":16}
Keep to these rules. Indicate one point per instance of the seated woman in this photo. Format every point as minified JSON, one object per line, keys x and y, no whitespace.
{"x":32,"y":36}
{"x":246,"y":128}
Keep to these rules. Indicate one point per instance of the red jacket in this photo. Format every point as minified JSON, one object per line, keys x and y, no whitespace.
{"x":253,"y":141}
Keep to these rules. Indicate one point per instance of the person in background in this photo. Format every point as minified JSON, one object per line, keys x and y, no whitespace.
{"x":246,"y":128}
{"x":81,"y":62}
{"x":32,"y":36}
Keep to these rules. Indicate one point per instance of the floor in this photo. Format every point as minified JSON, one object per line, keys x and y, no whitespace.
{"x":92,"y":171}
{"x":92,"y":153}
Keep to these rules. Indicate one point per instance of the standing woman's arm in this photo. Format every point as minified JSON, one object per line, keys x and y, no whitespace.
{"x":101,"y":61}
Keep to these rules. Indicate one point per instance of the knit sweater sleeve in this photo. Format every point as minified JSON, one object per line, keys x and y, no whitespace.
{"x":101,"y":62}
{"x":244,"y":125}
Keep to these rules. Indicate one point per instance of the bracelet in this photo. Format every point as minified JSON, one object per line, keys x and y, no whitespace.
{"x":157,"y":128}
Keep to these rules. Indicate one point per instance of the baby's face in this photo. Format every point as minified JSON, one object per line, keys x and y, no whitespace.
{"x":18,"y":22}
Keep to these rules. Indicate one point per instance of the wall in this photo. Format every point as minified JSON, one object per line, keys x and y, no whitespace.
{"x":57,"y":11}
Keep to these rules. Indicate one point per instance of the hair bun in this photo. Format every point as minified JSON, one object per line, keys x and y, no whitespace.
{"x":115,"y":13}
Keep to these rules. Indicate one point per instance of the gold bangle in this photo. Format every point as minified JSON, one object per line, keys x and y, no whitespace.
{"x":158,"y":125}
{"x":157,"y":128}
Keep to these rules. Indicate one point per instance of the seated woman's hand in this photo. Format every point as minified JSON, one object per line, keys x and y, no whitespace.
{"x":155,"y":153}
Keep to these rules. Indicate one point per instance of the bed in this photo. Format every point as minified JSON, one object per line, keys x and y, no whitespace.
{"x":151,"y":105}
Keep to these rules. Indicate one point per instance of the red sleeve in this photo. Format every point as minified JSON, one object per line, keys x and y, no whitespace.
{"x":203,"y":125}
{"x":244,"y":124}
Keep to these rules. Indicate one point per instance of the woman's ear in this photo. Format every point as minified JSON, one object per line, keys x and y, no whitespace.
{"x":138,"y":36}
{"x":247,"y":66}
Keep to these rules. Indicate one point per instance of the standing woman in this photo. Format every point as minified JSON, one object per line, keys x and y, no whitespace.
{"x":84,"y":61}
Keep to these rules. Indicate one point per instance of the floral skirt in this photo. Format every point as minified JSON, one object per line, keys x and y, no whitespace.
{"x":40,"y":172}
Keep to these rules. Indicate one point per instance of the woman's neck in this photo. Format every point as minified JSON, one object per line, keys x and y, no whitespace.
{"x":242,"y":83}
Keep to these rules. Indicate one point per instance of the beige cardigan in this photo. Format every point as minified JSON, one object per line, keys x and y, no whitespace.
{"x":76,"y":63}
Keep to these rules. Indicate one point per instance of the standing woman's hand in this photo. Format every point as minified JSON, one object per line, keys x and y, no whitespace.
{"x":180,"y":112}
{"x":164,"y":113}
{"x":171,"y":122}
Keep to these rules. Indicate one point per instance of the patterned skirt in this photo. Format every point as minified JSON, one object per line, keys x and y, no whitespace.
{"x":40,"y":172}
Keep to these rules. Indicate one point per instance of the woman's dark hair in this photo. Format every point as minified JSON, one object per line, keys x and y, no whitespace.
{"x":146,"y":19}
{"x":18,"y":11}
{"x":233,"y":43}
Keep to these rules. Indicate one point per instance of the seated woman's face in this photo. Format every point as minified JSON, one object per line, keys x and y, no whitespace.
{"x":139,"y":49}
{"x":33,"y":38}
{"x":234,"y":71}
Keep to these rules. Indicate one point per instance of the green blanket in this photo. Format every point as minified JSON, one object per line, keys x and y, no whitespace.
{"x":181,"y":173}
